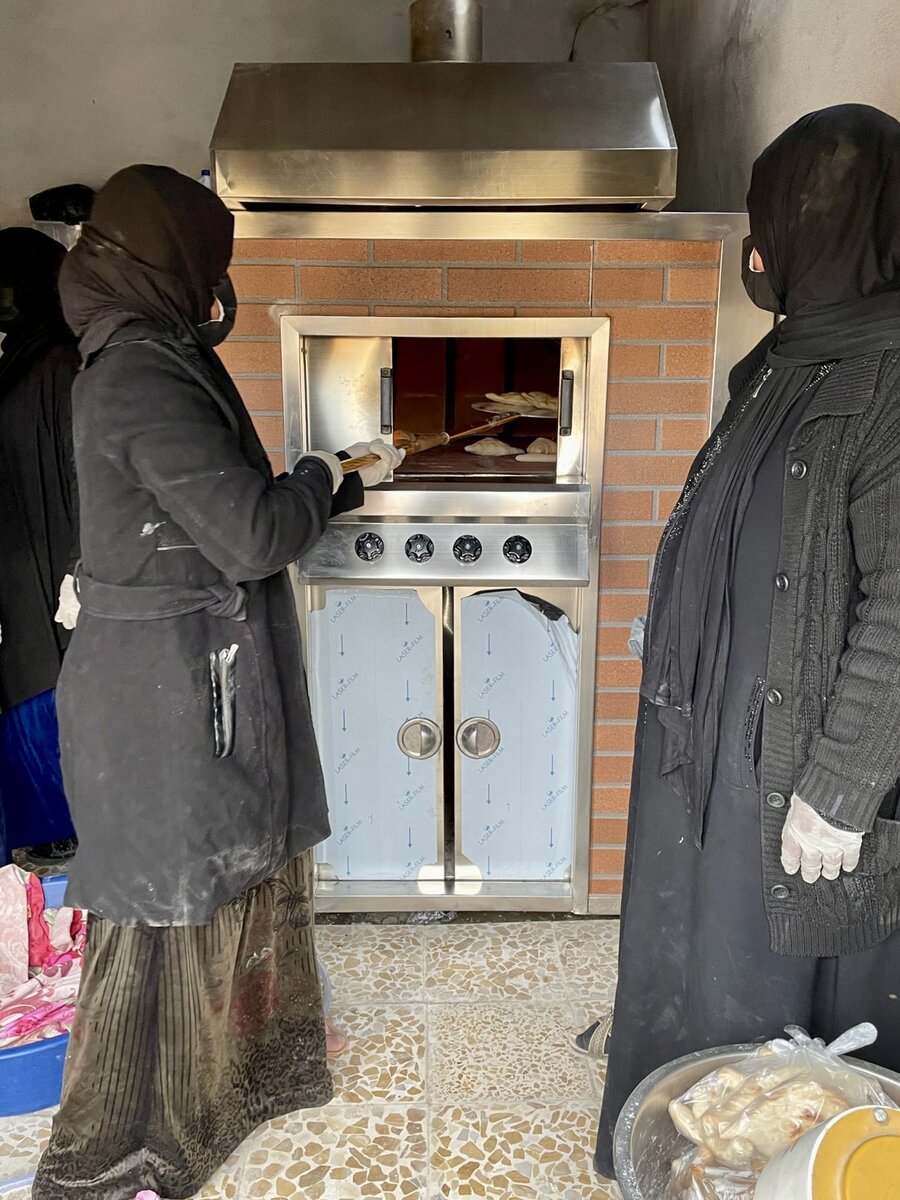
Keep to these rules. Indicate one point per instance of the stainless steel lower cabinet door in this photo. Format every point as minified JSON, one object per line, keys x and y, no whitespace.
{"x":516,"y":736}
{"x":375,"y":670}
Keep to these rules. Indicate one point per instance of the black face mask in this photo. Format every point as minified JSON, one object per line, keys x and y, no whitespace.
{"x":756,"y":283}
{"x":215,"y":331}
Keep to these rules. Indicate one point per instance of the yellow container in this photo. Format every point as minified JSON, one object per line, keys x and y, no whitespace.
{"x":854,"y":1156}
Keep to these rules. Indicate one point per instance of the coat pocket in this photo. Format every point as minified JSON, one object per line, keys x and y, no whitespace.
{"x":224,"y":699}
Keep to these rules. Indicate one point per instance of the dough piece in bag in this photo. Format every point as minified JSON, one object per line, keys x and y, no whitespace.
{"x":491,"y":448}
{"x":774,"y":1121}
{"x":543,"y":445}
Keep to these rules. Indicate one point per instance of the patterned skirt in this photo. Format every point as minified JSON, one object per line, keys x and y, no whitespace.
{"x":185,"y":1041}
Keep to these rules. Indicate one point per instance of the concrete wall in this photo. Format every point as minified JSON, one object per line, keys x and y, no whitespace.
{"x":737,"y":72}
{"x":88,"y":86}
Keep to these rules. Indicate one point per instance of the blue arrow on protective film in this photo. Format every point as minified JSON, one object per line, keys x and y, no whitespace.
{"x":343,"y":720}
{"x":405,"y":614}
{"x":342,"y":645}
{"x":407,"y":691}
{"x":489,"y":644}
{"x":489,"y":794}
{"x":409,"y":843}
{"x":409,"y":766}
{"x":348,"y":864}
{"x":551,"y":837}
{"x":346,"y":796}
{"x":553,"y":690}
{"x":552,"y":768}
{"x":489,"y":865}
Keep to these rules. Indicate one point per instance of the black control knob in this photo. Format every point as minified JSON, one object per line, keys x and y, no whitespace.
{"x":467,"y":549}
{"x":517,"y":549}
{"x":369,"y":547}
{"x":419,"y":548}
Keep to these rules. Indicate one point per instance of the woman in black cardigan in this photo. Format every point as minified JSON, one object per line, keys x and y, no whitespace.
{"x":762,"y":881}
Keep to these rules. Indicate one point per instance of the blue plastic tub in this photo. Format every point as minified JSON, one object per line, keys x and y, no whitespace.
{"x":31,"y":1076}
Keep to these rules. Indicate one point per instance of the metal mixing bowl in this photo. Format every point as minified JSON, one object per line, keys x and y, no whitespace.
{"x":646,"y":1142}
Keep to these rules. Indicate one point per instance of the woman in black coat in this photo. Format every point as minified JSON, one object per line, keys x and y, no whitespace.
{"x":187,"y":741}
{"x":38,"y":363}
{"x":762,"y":882}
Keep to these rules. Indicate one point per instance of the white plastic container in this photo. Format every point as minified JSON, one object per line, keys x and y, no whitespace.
{"x":854,"y":1156}
{"x":206,"y":178}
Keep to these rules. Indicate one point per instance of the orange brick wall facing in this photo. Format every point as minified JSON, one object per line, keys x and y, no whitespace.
{"x":661,"y":298}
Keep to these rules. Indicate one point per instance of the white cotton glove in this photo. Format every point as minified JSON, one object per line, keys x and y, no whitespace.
{"x":813,"y":847}
{"x":333,"y":463}
{"x":390,"y":457}
{"x":69,"y":605}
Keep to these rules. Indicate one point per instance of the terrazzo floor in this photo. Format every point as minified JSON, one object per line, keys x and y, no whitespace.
{"x":459,"y":1079}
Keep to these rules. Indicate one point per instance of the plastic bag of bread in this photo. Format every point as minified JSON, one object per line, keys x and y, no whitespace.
{"x":697,"y":1176}
{"x":743,"y":1114}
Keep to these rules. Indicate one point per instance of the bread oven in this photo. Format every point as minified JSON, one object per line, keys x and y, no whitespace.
{"x":450,"y":624}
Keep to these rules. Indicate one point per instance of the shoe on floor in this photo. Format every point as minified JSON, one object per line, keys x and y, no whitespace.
{"x":594,"y":1041}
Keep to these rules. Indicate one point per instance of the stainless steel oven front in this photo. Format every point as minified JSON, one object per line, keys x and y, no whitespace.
{"x":450,"y":624}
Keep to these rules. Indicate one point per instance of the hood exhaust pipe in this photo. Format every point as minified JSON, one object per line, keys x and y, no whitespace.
{"x":445,"y":31}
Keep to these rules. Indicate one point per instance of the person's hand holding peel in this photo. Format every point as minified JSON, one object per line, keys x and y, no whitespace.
{"x":389,"y":459}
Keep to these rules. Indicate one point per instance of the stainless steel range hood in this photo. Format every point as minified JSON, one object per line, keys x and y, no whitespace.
{"x":444,"y":135}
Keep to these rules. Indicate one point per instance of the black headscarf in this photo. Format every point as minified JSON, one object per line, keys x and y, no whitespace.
{"x":824,"y":206}
{"x":825,"y":216}
{"x":156,"y":246}
{"x":30,"y":315}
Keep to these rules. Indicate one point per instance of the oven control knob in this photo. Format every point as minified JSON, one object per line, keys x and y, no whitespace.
{"x":369,"y":547}
{"x":419,"y":548}
{"x":517,"y":549}
{"x":467,"y":549}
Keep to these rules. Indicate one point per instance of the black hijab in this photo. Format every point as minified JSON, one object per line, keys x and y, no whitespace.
{"x":824,"y":206}
{"x":30,"y":314}
{"x":825,"y":216}
{"x":156,"y":246}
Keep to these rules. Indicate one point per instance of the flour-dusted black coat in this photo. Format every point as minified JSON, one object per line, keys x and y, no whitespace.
{"x":176,"y":815}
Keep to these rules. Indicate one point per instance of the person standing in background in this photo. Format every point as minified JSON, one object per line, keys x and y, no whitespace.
{"x":38,"y":541}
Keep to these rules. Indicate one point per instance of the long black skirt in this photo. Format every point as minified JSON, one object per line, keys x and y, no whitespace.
{"x":186,"y":1040}
{"x":696,"y":970}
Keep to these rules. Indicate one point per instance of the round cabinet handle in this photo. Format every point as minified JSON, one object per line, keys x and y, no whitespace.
{"x":419,"y":738}
{"x":478,"y":737}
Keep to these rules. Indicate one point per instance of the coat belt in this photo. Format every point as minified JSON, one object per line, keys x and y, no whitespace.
{"x":126,"y":603}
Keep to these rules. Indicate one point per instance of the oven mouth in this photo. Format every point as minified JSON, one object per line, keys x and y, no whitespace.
{"x":454,"y":385}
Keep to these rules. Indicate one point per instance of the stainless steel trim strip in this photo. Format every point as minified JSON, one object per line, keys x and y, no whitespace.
{"x":457,"y":896}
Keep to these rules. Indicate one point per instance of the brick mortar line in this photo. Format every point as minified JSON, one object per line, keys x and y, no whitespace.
{"x":301,"y":262}
{"x":668,"y":453}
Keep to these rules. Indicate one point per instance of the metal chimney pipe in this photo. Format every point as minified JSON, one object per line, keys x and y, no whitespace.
{"x":445,"y":31}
